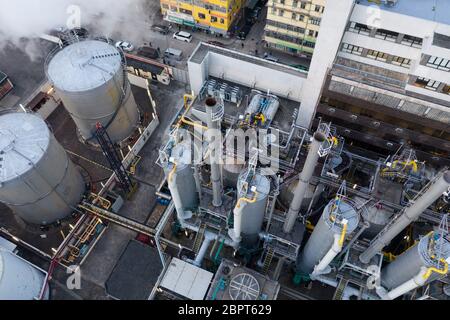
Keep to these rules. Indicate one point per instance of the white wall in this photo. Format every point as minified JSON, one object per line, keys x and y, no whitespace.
{"x":332,"y":28}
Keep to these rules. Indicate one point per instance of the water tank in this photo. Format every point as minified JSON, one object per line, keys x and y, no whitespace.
{"x":231,"y":171}
{"x":378,"y":217}
{"x":408,"y":264}
{"x":287,"y":194}
{"x":253,"y":213}
{"x":19,"y":280}
{"x":38,"y":181}
{"x":183,"y":184}
{"x":91,"y":79}
{"x":322,"y":238}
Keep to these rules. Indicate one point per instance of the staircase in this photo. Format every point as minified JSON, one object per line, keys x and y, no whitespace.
{"x":268,"y":260}
{"x":199,"y":238}
{"x":340,"y":289}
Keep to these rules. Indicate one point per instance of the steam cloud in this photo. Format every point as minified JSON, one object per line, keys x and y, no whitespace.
{"x":28,"y":19}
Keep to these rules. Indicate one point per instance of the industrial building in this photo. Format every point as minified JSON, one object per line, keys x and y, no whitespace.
{"x":5,"y":85}
{"x":233,"y":186}
{"x":214,"y":16}
{"x":293,"y":26}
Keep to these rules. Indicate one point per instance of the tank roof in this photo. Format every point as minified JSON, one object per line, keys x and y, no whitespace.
{"x":83,"y":65}
{"x":24,"y":139}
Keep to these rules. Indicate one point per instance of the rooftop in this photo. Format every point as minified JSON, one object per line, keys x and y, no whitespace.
{"x":433,"y":10}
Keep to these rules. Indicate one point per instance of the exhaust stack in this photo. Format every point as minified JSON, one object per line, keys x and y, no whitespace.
{"x":305,"y":177}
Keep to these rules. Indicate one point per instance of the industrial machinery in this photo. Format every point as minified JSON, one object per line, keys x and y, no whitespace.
{"x":91,"y":79}
{"x":38,"y":181}
{"x":261,"y":110}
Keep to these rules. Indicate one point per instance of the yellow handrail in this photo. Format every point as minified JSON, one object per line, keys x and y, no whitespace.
{"x":188,"y":107}
{"x":238,"y":204}
{"x":439,"y":271}
{"x":344,"y":231}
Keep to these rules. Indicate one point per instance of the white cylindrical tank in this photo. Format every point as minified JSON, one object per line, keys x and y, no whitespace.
{"x":19,"y":280}
{"x":38,"y":181}
{"x":181,"y":181}
{"x":91,"y":79}
{"x":252,"y":215}
{"x":408,"y":264}
{"x":377,"y":216}
{"x":322,"y":238}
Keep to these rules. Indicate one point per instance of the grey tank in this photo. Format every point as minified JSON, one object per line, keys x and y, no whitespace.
{"x":253,"y":213}
{"x":322,"y":238}
{"x":38,"y":181}
{"x":91,"y":79}
{"x":409,"y":263}
{"x":185,"y":180}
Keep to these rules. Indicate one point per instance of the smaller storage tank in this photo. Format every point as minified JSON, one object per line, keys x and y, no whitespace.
{"x":38,"y":181}
{"x":19,"y":280}
{"x":91,"y":79}
{"x":410,"y":262}
{"x":252,"y":216}
{"x":181,"y":180}
{"x":376,"y":215}
{"x":322,"y":238}
{"x":287,"y":194}
{"x":231,"y":170}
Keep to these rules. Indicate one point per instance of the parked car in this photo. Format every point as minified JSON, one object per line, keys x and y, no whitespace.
{"x":148,"y":52}
{"x":183,"y":36}
{"x":173,"y":54}
{"x":125,"y":46}
{"x":242,"y":35}
{"x":160,"y":28}
{"x":301,"y":67}
{"x":270,"y":57}
{"x":216,"y":43}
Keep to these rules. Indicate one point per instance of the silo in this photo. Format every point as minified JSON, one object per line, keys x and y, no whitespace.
{"x":249,"y":215}
{"x":181,"y":181}
{"x":19,"y":280}
{"x":322,"y":238}
{"x":38,"y":181}
{"x":91,"y":79}
{"x":409,"y":264}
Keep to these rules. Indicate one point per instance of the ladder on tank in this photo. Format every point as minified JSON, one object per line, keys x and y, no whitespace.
{"x":113,"y":158}
{"x":338,"y":294}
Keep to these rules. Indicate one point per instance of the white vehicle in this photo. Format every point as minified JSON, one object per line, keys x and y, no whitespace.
{"x":125,"y":46}
{"x":183,"y":36}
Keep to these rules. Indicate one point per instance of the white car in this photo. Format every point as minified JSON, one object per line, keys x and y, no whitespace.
{"x":183,"y":36}
{"x":125,"y":46}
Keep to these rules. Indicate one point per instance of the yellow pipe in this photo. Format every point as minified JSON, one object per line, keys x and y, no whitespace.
{"x":188,"y":107}
{"x":344,"y":231}
{"x":238,"y":204}
{"x":439,"y":271}
{"x":172,"y":172}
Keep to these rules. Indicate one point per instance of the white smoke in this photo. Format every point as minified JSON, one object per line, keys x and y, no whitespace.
{"x":28,"y":19}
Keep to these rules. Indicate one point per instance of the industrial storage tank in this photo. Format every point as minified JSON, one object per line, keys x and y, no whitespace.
{"x":322,"y":238}
{"x":181,"y":180}
{"x":287,"y":194}
{"x":231,"y":170}
{"x":378,"y":217}
{"x":38,"y":181}
{"x":252,"y":214}
{"x":409,"y":264}
{"x":91,"y":79}
{"x":19,"y":280}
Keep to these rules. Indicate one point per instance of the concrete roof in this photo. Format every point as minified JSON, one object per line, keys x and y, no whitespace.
{"x":433,"y":10}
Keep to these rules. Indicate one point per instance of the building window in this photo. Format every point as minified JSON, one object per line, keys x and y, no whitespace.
{"x":403,"y":62}
{"x":446,"y":89}
{"x":222,"y":21}
{"x":294,"y":16}
{"x":189,"y":12}
{"x":315,"y":21}
{"x":303,"y":5}
{"x":412,"y":41}
{"x":301,"y":17}
{"x":352,"y":49}
{"x":165,"y":6}
{"x":281,"y":13}
{"x":282,"y":1}
{"x":439,"y":63}
{"x":427,"y":83}
{"x":309,"y":44}
{"x":295,"y":3}
{"x":201,"y":16}
{"x":274,"y":10}
{"x":173,"y":9}
{"x":386,"y":35}
{"x":359,"y":28}
{"x":377,"y":55}
{"x":311,"y":33}
{"x":318,"y":8}
{"x":213,"y":19}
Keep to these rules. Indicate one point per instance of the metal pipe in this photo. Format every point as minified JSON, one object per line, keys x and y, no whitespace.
{"x":410,"y":214}
{"x":216,"y":182}
{"x":418,"y":281}
{"x":171,"y":181}
{"x":305,"y":177}
{"x":204,"y":248}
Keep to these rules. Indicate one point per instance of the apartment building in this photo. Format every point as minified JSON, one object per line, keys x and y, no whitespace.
{"x":293,"y":25}
{"x":215,"y":16}
{"x":381,"y":74}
